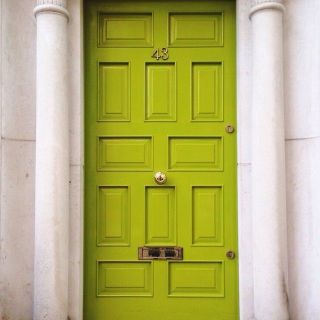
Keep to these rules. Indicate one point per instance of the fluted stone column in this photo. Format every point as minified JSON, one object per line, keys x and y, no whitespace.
{"x":52,"y":163}
{"x":268,"y":163}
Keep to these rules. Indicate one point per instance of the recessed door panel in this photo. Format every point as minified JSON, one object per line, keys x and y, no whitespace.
{"x":113,"y":216}
{"x":124,"y":278}
{"x":196,"y":29}
{"x":195,"y":153}
{"x":125,"y":29}
{"x":125,"y":153}
{"x":114,"y":94}
{"x":207,"y":216}
{"x":160,"y":162}
{"x":160,"y":216}
{"x":196,"y":279}
{"x":207,"y":91}
{"x":160,"y":92}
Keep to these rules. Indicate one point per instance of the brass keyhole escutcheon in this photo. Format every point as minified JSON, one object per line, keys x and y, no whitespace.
{"x":230,"y":254}
{"x":229,"y":128}
{"x":160,"y":178}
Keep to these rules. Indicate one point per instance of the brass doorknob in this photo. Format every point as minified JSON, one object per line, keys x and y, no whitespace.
{"x":160,"y":178}
{"x":229,"y":128}
{"x":230,"y":254}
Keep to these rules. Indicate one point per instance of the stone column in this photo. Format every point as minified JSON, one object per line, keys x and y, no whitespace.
{"x":52,"y":163}
{"x":268,"y":162}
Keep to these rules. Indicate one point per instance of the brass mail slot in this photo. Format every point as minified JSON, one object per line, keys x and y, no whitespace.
{"x":160,"y":253}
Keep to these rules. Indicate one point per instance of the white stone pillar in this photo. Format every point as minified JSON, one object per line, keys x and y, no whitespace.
{"x":268,"y":162}
{"x":52,"y":163}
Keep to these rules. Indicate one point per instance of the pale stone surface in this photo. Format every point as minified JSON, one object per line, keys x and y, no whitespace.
{"x":76,"y":243}
{"x":76,"y":93}
{"x":302,"y":66}
{"x":268,"y":167}
{"x":302,"y":122}
{"x":61,"y":3}
{"x":18,"y":57}
{"x":256,"y":2}
{"x":244,"y":65}
{"x":303,"y":176}
{"x":244,"y":59}
{"x":16,"y":230}
{"x":17,"y":159}
{"x":302,"y":79}
{"x":52,"y":169}
{"x":246,"y":297}
{"x":76,"y":100}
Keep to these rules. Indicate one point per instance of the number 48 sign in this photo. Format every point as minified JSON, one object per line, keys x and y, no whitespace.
{"x":160,"y":53}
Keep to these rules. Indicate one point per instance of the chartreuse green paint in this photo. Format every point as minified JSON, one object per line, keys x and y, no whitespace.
{"x":160,"y":92}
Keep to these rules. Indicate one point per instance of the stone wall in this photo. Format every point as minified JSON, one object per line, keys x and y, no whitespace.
{"x":17,"y":186}
{"x":18,"y":60}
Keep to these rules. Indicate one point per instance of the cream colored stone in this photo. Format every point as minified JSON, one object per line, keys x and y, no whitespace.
{"x":17,"y":117}
{"x":59,"y":3}
{"x":303,"y":176}
{"x":302,"y":75}
{"x":245,"y":242}
{"x":76,"y":93}
{"x":17,"y":229}
{"x":302,"y":69}
{"x":18,"y":57}
{"x":76,"y":243}
{"x":268,"y":165}
{"x":261,"y":5}
{"x":244,"y":59}
{"x":52,"y":167}
{"x":302,"y":122}
{"x":76,"y":100}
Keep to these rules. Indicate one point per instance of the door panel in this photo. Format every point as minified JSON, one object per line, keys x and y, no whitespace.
{"x":145,"y":115}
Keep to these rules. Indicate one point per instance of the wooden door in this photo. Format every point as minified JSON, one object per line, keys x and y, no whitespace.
{"x":160,"y":93}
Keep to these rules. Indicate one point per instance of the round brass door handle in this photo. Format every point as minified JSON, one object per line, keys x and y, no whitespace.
{"x":230,"y":254}
{"x":160,"y":178}
{"x":229,"y":128}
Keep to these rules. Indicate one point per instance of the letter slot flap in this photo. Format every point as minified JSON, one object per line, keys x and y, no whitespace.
{"x":162,"y":253}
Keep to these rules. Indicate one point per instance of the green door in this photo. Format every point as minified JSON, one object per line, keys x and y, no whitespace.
{"x":160,"y":97}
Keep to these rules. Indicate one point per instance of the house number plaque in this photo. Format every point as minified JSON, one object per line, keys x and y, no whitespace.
{"x":160,"y":54}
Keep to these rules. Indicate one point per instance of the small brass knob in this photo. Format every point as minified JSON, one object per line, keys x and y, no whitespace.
{"x":230,"y":254}
{"x":229,"y":128}
{"x":160,"y":178}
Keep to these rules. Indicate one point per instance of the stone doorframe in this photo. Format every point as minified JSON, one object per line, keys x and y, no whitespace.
{"x":60,"y":161}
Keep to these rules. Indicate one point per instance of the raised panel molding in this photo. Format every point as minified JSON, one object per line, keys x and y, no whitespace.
{"x":160,"y":219}
{"x":207,"y":216}
{"x":125,"y":154}
{"x":113,"y":216}
{"x":196,"y":279}
{"x":160,"y":92}
{"x":125,"y":30}
{"x":195,"y":153}
{"x":124,"y":278}
{"x":196,"y":29}
{"x":207,"y":91}
{"x":114,"y":92}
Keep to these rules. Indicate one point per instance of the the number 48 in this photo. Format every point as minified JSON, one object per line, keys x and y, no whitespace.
{"x":160,"y":54}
